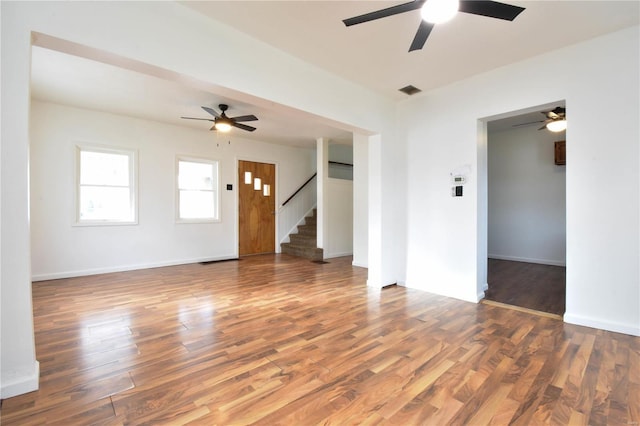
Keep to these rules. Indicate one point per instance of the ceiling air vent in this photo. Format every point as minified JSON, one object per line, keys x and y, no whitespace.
{"x":410,"y":90}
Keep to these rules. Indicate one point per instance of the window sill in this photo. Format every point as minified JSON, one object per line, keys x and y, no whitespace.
{"x":105,"y":223}
{"x":196,"y":221}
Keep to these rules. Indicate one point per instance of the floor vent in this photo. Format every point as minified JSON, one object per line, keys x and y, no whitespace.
{"x":209,"y":262}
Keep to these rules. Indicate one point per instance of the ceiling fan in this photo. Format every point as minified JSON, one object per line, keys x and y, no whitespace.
{"x":556,"y":120}
{"x":223,"y":123}
{"x":438,"y":11}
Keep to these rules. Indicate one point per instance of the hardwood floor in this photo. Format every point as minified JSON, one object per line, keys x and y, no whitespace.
{"x":529,"y":285}
{"x":277,"y":340}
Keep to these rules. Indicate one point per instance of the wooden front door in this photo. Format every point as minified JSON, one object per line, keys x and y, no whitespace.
{"x":257,"y":208}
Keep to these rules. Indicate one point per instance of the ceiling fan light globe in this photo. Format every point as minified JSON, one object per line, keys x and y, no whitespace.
{"x":223,"y":126}
{"x":439,"y":11}
{"x":557,"y":126}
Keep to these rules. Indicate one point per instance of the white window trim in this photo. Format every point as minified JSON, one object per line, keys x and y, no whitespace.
{"x":133,"y":184}
{"x":216,"y":191}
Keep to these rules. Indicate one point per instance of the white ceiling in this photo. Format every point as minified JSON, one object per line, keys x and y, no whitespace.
{"x":373,"y":54}
{"x":71,"y":80}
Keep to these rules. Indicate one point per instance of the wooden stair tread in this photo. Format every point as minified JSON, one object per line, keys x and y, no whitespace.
{"x":304,"y":243}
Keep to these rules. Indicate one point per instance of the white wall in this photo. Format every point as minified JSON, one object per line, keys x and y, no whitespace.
{"x":390,"y":164}
{"x":20,"y":370}
{"x":360,"y":201}
{"x":341,"y":153}
{"x":526,"y":197}
{"x":446,"y":239}
{"x":335,"y":204}
{"x":60,"y":249}
{"x":339,"y":220}
{"x":293,"y":213}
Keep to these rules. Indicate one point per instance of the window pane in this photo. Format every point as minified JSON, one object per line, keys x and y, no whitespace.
{"x":105,"y":203}
{"x":101,"y":168}
{"x":197,"y":189}
{"x":195,"y":175}
{"x":197,"y":204}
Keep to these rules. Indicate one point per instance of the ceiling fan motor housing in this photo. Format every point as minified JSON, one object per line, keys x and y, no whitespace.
{"x":223,"y":123}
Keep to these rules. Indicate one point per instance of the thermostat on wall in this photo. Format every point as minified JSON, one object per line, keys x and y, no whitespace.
{"x":459,"y":174}
{"x":458,"y":179}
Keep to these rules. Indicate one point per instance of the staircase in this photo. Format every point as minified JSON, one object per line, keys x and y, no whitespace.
{"x":304,"y":243}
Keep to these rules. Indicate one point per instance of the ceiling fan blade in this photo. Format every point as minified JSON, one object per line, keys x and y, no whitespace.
{"x":492,"y":9}
{"x":527,"y":124}
{"x":383,"y":13}
{"x":194,"y":118}
{"x":421,"y":36}
{"x":545,"y":124}
{"x":211,"y":111}
{"x":243,"y":127}
{"x":245,"y":118}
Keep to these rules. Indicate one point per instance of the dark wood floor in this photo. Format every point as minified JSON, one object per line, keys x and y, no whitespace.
{"x":529,"y":285}
{"x":277,"y":340}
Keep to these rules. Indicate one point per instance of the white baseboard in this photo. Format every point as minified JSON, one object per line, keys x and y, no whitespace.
{"x":20,"y":382}
{"x":464,"y":296}
{"x":377,"y":284}
{"x":359,"y":264}
{"x":124,"y":268}
{"x":333,"y":255}
{"x":633,"y":330}
{"x":528,"y":260}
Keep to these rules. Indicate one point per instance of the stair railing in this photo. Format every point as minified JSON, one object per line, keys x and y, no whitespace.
{"x":310,"y":179}
{"x":299,"y":189}
{"x":293,"y":211}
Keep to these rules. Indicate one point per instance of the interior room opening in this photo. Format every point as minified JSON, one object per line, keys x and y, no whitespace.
{"x":526,"y":209}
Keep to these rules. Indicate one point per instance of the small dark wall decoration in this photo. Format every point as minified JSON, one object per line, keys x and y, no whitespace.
{"x":560,"y":153}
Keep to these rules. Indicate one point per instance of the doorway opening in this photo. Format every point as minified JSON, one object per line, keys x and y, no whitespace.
{"x":526,"y":204}
{"x":256,"y":208}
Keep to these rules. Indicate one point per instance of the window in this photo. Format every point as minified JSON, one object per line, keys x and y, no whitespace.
{"x":197,"y":190}
{"x":106,"y":186}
